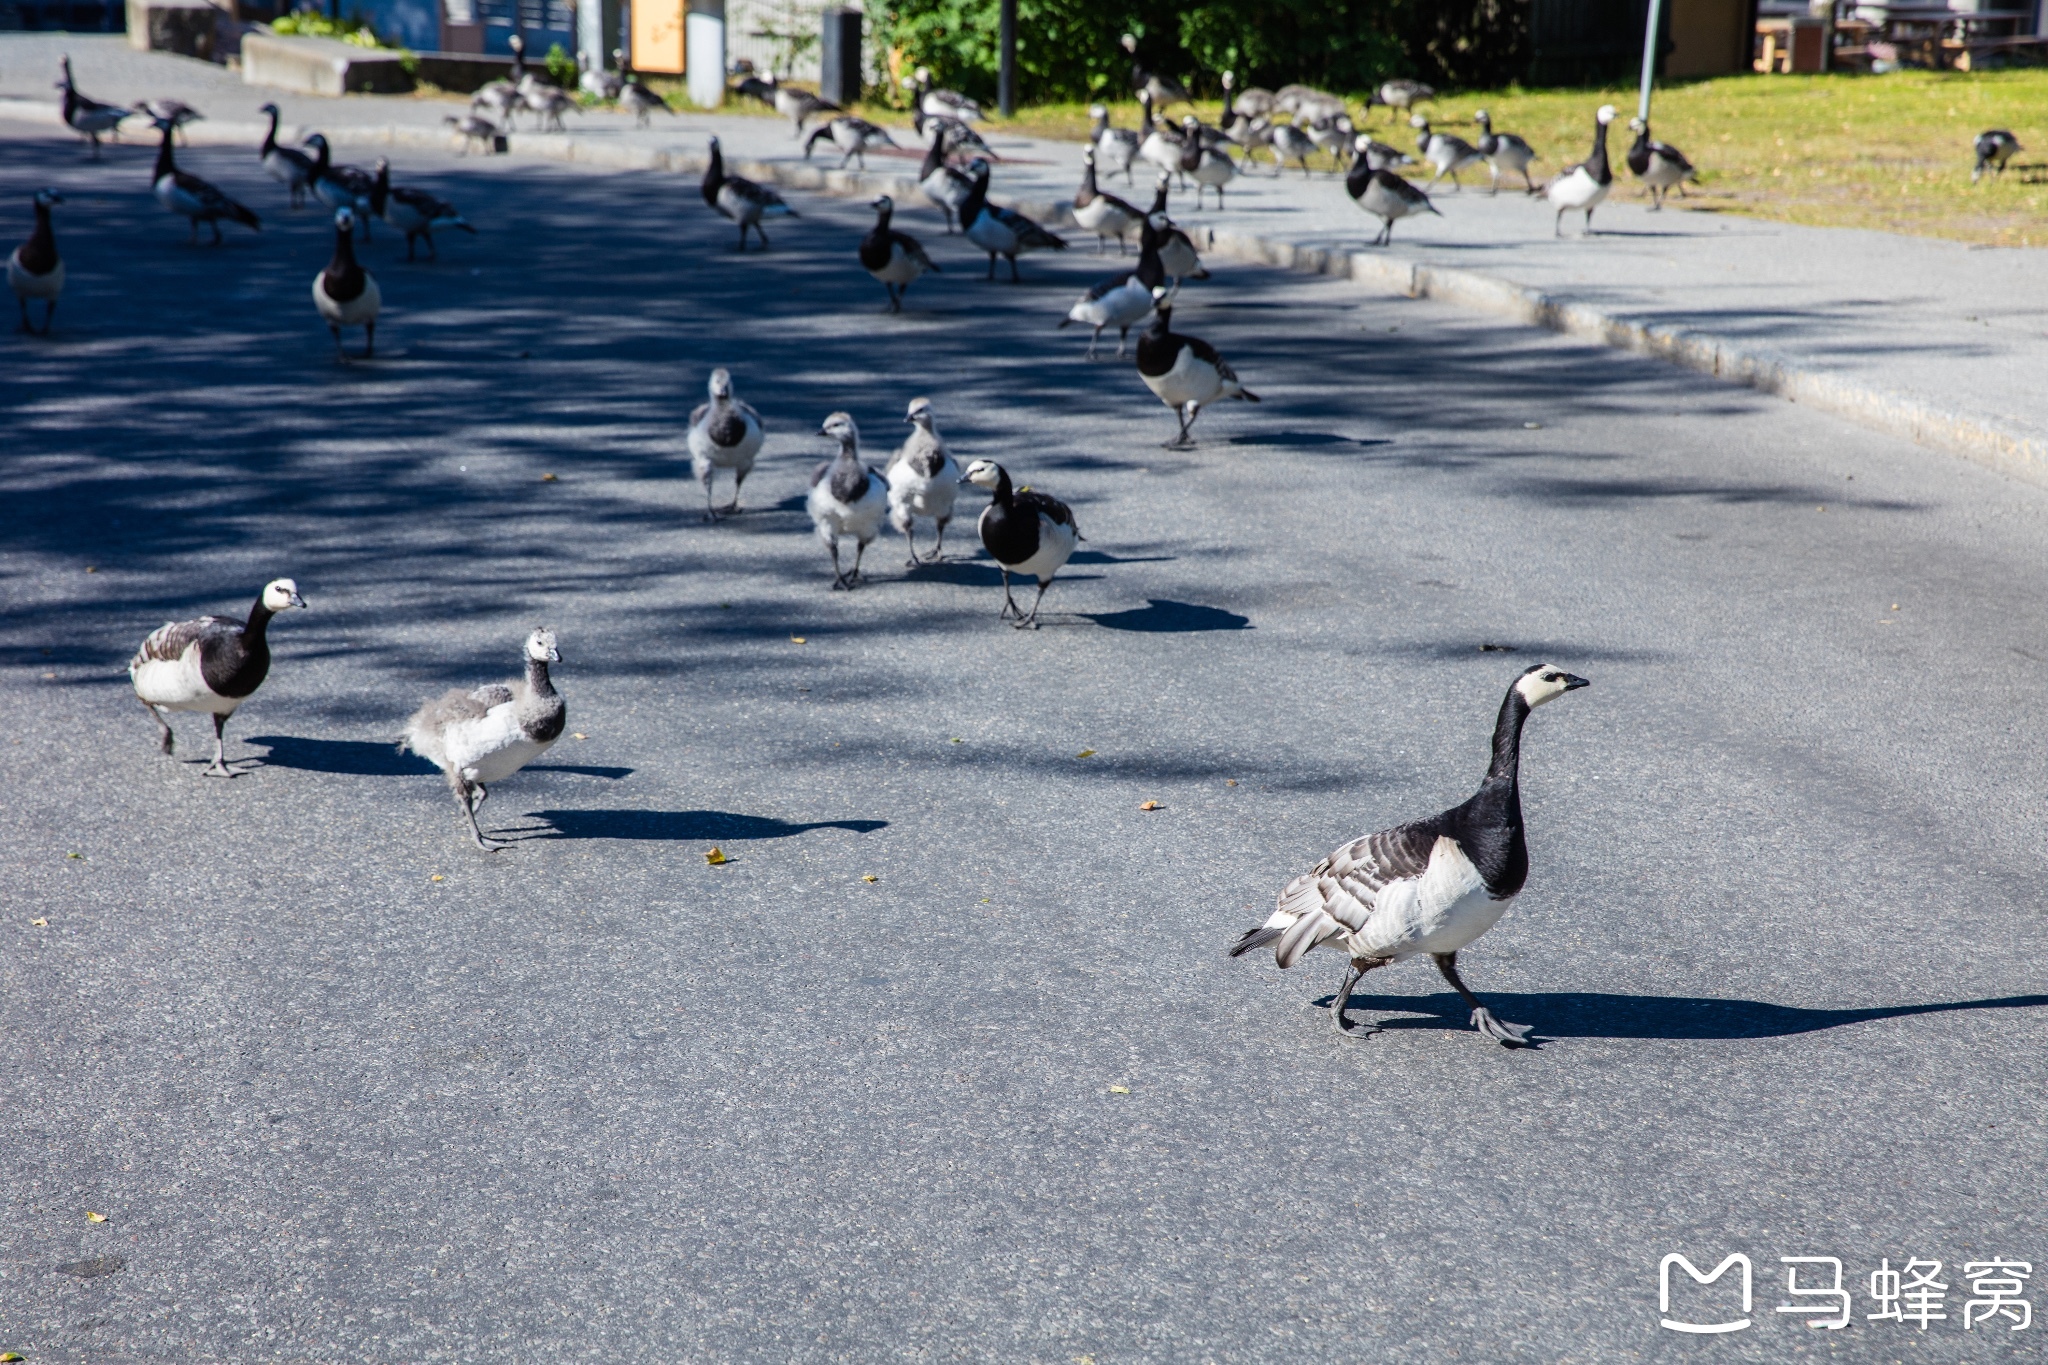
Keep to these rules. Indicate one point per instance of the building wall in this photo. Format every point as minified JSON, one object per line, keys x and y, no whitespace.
{"x":1709,"y":37}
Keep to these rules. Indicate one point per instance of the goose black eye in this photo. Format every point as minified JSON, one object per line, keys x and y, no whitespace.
{"x":1553,"y":677}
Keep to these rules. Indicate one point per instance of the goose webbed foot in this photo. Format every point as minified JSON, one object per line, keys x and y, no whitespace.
{"x":469,"y":803}
{"x":1341,"y":1002}
{"x":217,"y":768}
{"x":1507,"y":1035}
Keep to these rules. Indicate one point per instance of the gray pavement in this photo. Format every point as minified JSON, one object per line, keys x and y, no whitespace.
{"x":1938,"y":341}
{"x":344,"y":1088}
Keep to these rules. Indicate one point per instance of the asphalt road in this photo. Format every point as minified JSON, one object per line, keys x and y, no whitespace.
{"x":343,"y":1087}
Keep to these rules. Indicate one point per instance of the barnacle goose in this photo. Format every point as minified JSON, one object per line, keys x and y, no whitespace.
{"x":1025,"y":532}
{"x":1158,"y":143}
{"x":798,"y":106}
{"x":35,"y":270}
{"x":1177,"y":253}
{"x":502,"y":100}
{"x":549,"y":103}
{"x":190,"y":197}
{"x":847,"y":499}
{"x":639,"y":101}
{"x":1123,"y":301}
{"x":475,"y":129}
{"x":854,"y":137}
{"x":955,"y":134}
{"x":1993,"y":147}
{"x":1386,"y":196}
{"x":1002,"y":232}
{"x":1117,"y":147}
{"x":1504,"y":150}
{"x":1249,"y":128}
{"x":1378,"y":155}
{"x":943,"y":104}
{"x":288,"y":166}
{"x":1292,"y":144}
{"x":1333,"y":133}
{"x":1307,"y":102}
{"x":894,"y":258}
{"x":1105,"y":215}
{"x":1449,"y":155}
{"x":486,"y":734}
{"x":341,"y":187}
{"x":89,"y":116}
{"x":413,"y":212}
{"x":923,"y":481}
{"x":1185,"y":372}
{"x":1400,"y":95}
{"x":1208,"y":166}
{"x":725,"y":433}
{"x":1657,"y":164}
{"x":1429,"y":886}
{"x":741,"y":199}
{"x":213,"y":664}
{"x":1163,"y":90}
{"x":596,"y":80}
{"x":177,"y":113}
{"x":947,"y":188}
{"x":1248,"y":103}
{"x":1584,"y":185}
{"x":345,"y":293}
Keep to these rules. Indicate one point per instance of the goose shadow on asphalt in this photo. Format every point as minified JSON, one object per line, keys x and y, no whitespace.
{"x":1598,"y":1014}
{"x":370,"y":758}
{"x":684,"y":826}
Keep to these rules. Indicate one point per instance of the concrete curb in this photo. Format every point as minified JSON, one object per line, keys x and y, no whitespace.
{"x":1974,"y":438}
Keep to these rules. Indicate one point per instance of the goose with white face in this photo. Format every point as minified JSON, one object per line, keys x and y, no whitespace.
{"x":1544,"y":683}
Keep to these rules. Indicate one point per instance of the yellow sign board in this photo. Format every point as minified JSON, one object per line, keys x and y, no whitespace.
{"x":658,"y":36}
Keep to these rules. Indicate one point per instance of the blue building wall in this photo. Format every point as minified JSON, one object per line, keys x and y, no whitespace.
{"x":415,"y":23}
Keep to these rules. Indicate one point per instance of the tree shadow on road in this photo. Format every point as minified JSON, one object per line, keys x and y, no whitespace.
{"x":1594,"y":1014}
{"x":716,"y":826}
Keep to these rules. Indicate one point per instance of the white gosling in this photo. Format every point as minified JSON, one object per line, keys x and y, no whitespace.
{"x":486,"y":734}
{"x":725,"y":433}
{"x":212,"y":664}
{"x":847,"y":500}
{"x":923,"y":481}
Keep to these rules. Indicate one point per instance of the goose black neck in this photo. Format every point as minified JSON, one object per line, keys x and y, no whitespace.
{"x":1001,"y":495}
{"x":934,"y":158}
{"x":977,"y":199}
{"x":1596,"y":164}
{"x":270,"y":138}
{"x":1150,"y":272}
{"x":257,"y":625}
{"x":882,"y":216}
{"x":44,"y":238}
{"x":714,"y":170}
{"x":1088,"y":189}
{"x":1159,"y":198}
{"x":321,"y":158}
{"x":1507,"y":739}
{"x":344,"y":250}
{"x":165,"y":164}
{"x":380,"y":188}
{"x":537,"y":677}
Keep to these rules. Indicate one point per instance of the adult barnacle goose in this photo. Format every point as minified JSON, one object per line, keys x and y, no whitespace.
{"x":1584,"y":185}
{"x":847,"y":499}
{"x":500,"y":99}
{"x":1163,"y":90}
{"x":1105,"y":215}
{"x":1386,"y":196}
{"x":1307,"y":102}
{"x":1402,"y":95}
{"x":1657,"y":164}
{"x":724,"y":434}
{"x":592,"y":79}
{"x":1158,"y":144}
{"x":486,"y":734}
{"x":35,"y":270}
{"x":345,"y":293}
{"x":288,"y":166}
{"x":1117,"y":147}
{"x":947,"y":188}
{"x":741,"y":199}
{"x":341,"y":187}
{"x":177,"y":113}
{"x":1378,"y":155}
{"x":1026,"y":533}
{"x":89,"y":116}
{"x":1123,"y":301}
{"x":923,"y":481}
{"x":549,"y":103}
{"x":1994,"y":148}
{"x":1429,"y":886}
{"x":943,"y":104}
{"x":639,"y":101}
{"x":854,"y":137}
{"x":1177,"y":255}
{"x":1504,"y":150}
{"x":1448,"y":154}
{"x":1290,"y":143}
{"x":1208,"y":166}
{"x":1185,"y":372}
{"x":190,"y":197}
{"x":894,"y":258}
{"x":798,"y":106}
{"x":413,"y":212}
{"x":1001,"y":232}
{"x":475,"y":129}
{"x":1244,"y":119}
{"x":1333,"y":133}
{"x":213,"y":664}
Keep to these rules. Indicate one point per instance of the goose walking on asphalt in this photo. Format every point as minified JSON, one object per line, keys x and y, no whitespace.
{"x":1430,"y":886}
{"x":1210,"y":167}
{"x":341,"y":187}
{"x":288,"y":166}
{"x":1158,"y":143}
{"x":1386,"y":196}
{"x":1117,"y":147}
{"x":1292,"y":144}
{"x":501,"y":100}
{"x":923,"y":481}
{"x":1657,"y":164}
{"x":638,"y":100}
{"x":1177,"y":254}
{"x":1378,"y":155}
{"x":1993,"y":147}
{"x":88,"y":116}
{"x":1001,"y":232}
{"x":740,"y":199}
{"x":484,"y":735}
{"x":1504,"y":151}
{"x":725,"y":433}
{"x":1333,"y":134}
{"x":798,"y":106}
{"x":847,"y":500}
{"x":1162,"y":90}
{"x":1027,"y":533}
{"x":1583,"y":186}
{"x":414,"y":212}
{"x":947,"y":188}
{"x":943,"y":104}
{"x":549,"y":103}
{"x":1447,"y":154}
{"x":475,"y":130}
{"x":1123,"y":301}
{"x":35,"y":270}
{"x":1186,"y":373}
{"x":177,"y":113}
{"x":1249,"y":126}
{"x":854,"y":137}
{"x":1105,"y":215}
{"x":345,"y":294}
{"x":893,"y":258}
{"x":213,"y":664}
{"x":194,"y":199}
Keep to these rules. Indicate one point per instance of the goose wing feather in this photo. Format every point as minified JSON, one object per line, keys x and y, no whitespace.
{"x":170,"y":640}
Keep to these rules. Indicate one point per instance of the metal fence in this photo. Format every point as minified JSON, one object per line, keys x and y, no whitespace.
{"x":782,"y":36}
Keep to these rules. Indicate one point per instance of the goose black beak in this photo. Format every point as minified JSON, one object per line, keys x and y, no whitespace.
{"x":298,"y":601}
{"x":1573,"y":682}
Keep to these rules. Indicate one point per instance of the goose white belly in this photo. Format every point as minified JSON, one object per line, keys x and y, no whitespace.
{"x":1515,"y":155}
{"x":284,"y":170}
{"x":922,"y":496}
{"x":177,"y":199}
{"x":1439,"y":912}
{"x":1383,"y":203}
{"x":177,"y":685}
{"x":492,"y":747}
{"x":945,"y":188}
{"x":739,"y":207}
{"x":1215,"y":170}
{"x":1576,"y":190}
{"x":1124,"y":306}
{"x":1161,"y":153}
{"x":707,"y":451}
{"x":1056,"y":541}
{"x":1100,"y":216}
{"x":860,"y":521}
{"x":1663,"y":173}
{"x":28,"y":285}
{"x":1191,"y":380}
{"x":991,"y":234}
{"x":902,"y":267}
{"x":1177,"y":258}
{"x":356,"y":311}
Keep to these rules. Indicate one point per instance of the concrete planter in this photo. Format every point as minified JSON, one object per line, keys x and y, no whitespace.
{"x":184,"y":27}
{"x":322,"y":66}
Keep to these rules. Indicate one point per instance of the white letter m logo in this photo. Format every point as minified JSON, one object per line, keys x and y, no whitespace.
{"x":1664,"y":1292}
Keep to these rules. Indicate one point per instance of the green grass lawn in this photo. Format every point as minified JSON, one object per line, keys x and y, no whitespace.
{"x":1887,"y":152}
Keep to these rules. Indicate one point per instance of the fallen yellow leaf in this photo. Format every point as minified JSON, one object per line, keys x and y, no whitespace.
{"x":40,"y":923}
{"x":716,"y":856}
{"x":92,"y":1217}
{"x":1085,"y":753}
{"x":91,"y":569}
{"x":547,"y":478}
{"x":79,"y":856}
{"x":1230,"y":782}
{"x":436,"y":878}
{"x":796,"y":639}
{"x":956,"y":741}
{"x":1148,"y":805}
{"x":1119,"y":1090}
{"x":579,"y":735}
{"x":9,"y":1355}
{"x":871,"y":877}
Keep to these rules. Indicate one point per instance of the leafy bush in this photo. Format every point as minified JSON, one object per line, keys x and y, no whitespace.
{"x":311,"y":23}
{"x":562,"y":68}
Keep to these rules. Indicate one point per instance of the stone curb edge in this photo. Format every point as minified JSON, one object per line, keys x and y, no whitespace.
{"x":1972,"y":438}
